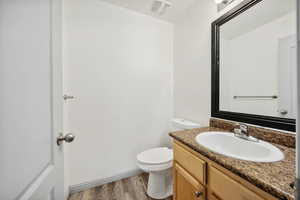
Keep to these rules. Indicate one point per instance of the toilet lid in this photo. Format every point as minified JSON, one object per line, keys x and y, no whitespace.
{"x":156,"y":156}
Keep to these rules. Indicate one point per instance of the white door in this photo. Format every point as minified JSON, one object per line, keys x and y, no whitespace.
{"x":287,"y":76}
{"x":31,"y":164}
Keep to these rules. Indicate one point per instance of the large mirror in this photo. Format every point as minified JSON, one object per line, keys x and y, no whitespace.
{"x":254,"y":64}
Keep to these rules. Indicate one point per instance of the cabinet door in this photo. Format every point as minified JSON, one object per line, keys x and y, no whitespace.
{"x":186,"y":187}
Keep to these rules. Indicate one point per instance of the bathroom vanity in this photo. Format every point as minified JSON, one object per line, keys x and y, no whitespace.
{"x":201,"y":174}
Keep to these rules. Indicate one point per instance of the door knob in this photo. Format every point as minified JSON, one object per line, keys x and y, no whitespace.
{"x":67,"y":138}
{"x":283,"y":111}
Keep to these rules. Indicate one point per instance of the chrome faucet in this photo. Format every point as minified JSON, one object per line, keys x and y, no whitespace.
{"x":242,"y":132}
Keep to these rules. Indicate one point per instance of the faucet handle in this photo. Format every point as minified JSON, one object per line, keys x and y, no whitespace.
{"x":243,"y":127}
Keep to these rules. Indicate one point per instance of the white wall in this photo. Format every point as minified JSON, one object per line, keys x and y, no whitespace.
{"x":119,"y":66}
{"x":192,"y":71}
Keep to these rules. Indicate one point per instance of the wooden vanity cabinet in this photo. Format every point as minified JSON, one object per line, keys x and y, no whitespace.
{"x":187,"y":187}
{"x":198,"y":178}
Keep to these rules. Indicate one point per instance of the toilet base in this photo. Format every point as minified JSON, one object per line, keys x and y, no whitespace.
{"x":160,"y":184}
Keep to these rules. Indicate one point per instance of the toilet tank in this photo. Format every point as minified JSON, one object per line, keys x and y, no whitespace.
{"x":179,"y":124}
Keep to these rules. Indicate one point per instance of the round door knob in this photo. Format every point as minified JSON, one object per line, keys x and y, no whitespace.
{"x":67,"y":138}
{"x":198,"y":194}
{"x":284,"y":112}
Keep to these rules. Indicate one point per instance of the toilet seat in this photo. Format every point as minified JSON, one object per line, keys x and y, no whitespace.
{"x":153,"y":168}
{"x":156,"y":159}
{"x":156,"y":156}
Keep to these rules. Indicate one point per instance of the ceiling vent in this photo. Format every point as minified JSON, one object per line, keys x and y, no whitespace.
{"x":160,"y":6}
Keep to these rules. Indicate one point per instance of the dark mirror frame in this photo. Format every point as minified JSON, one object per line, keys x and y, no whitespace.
{"x":266,"y":121}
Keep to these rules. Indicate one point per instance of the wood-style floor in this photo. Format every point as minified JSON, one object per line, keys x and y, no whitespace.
{"x":133,"y":188}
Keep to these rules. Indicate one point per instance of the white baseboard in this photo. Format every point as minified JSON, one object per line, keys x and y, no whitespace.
{"x":90,"y":184}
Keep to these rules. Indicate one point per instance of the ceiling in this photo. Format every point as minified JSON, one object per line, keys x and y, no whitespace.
{"x":144,"y":6}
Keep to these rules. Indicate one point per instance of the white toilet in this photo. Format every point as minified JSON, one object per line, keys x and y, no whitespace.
{"x":158,"y":163}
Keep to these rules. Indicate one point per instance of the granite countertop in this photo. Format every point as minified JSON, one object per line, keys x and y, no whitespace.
{"x":274,"y":178}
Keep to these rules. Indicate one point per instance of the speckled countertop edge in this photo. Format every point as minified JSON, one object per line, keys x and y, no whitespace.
{"x":273,"y":178}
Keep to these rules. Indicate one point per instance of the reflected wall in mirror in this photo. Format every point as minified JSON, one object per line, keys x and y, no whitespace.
{"x":255,"y":59}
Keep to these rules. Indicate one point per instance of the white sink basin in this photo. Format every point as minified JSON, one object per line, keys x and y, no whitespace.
{"x":227,"y":144}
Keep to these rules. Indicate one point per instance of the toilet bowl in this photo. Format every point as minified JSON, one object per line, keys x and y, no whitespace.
{"x":158,"y":163}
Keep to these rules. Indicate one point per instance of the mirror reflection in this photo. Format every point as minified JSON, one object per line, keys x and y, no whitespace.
{"x":257,"y":59}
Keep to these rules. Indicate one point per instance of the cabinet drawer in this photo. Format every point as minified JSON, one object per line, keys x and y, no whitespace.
{"x":194,"y":165}
{"x":227,"y":188}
